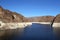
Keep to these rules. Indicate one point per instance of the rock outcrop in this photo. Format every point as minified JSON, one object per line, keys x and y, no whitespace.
{"x":8,"y":16}
{"x":57,"y":19}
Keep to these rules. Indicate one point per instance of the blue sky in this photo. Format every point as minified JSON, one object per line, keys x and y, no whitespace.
{"x":30,"y":8}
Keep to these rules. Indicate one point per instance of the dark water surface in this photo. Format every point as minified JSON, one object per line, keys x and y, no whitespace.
{"x":37,"y":32}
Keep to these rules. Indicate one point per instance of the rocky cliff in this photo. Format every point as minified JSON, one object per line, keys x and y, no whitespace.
{"x":54,"y":19}
{"x":9,"y":16}
{"x":57,"y":18}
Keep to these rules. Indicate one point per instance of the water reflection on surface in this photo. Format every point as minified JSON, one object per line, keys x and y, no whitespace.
{"x":37,"y":32}
{"x":56,"y":31}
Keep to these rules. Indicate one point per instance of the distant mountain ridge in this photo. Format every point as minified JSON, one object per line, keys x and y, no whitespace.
{"x":9,"y":16}
{"x":41,"y":19}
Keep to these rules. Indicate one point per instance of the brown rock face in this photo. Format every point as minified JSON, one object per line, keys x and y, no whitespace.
{"x":8,"y":16}
{"x":41,"y":19}
{"x":57,"y":18}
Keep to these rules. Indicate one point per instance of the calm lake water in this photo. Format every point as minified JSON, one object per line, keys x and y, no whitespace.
{"x":37,"y":32}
